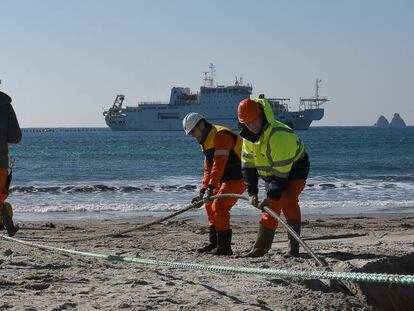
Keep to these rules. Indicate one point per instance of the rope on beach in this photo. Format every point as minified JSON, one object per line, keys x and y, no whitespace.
{"x":279,"y":273}
{"x":121,"y":232}
{"x":137,"y":227}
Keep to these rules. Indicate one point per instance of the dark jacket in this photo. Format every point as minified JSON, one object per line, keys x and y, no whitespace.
{"x":9,"y":129}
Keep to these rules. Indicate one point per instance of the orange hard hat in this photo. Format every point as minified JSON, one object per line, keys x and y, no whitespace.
{"x":248,"y":110}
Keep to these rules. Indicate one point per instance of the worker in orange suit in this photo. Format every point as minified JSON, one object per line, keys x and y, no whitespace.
{"x":9,"y":133}
{"x":222,"y":174}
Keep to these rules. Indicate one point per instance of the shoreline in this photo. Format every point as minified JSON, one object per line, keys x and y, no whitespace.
{"x":32,"y":278}
{"x":117,"y":215}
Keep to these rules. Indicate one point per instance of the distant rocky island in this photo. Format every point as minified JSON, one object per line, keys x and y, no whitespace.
{"x":396,"y":122}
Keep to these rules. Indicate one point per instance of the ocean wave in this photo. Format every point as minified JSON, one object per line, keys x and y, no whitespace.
{"x":362,"y":184}
{"x":312,"y":185}
{"x":100,"y":188}
{"x":307,"y":207}
{"x":357,"y":206}
{"x":395,"y":178}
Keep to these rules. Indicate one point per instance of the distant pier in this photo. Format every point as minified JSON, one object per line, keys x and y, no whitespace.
{"x":67,"y":129}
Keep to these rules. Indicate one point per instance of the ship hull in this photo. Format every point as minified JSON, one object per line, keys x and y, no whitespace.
{"x":150,"y":121}
{"x":301,"y":120}
{"x":153,"y":120}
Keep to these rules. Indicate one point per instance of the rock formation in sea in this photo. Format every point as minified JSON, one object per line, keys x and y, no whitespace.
{"x":382,"y":122}
{"x":397,"y":121}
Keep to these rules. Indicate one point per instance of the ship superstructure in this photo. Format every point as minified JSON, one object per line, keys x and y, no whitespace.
{"x":309,"y":109}
{"x":218,"y":103}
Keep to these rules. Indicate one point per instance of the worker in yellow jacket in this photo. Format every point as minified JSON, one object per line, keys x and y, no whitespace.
{"x":274,"y":152}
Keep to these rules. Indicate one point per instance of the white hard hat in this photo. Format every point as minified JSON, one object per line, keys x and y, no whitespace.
{"x":190,"y":121}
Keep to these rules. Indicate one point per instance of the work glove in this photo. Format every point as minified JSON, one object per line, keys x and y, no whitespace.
{"x":199,"y":197}
{"x":253,"y":200}
{"x":209,"y":193}
{"x":264,"y":203}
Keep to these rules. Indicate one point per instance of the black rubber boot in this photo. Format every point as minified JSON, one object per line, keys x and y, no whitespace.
{"x":8,"y":222}
{"x":263,"y":242}
{"x":213,"y":241}
{"x":223,"y":243}
{"x":293,"y":245}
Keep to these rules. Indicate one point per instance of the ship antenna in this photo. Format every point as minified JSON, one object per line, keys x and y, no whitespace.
{"x":317,"y":88}
{"x":212,"y":74}
{"x":205,"y":79}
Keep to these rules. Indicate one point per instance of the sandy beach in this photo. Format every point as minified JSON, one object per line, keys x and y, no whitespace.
{"x":33,"y":279}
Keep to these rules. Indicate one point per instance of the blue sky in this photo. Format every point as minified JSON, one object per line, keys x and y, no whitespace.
{"x":63,"y":61}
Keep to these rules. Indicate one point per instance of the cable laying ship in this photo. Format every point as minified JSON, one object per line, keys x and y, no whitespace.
{"x":218,"y":103}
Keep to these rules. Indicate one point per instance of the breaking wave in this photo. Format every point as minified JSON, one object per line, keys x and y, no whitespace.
{"x":312,"y":185}
{"x":99,"y":188}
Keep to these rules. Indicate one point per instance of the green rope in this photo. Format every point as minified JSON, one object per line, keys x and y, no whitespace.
{"x":279,"y":273}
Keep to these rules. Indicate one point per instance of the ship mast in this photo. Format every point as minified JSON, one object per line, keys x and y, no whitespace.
{"x":205,"y":78}
{"x":306,"y":103}
{"x":317,"y":88}
{"x":209,"y":76}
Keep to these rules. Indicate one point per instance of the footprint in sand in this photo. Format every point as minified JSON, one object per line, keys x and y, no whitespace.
{"x":124,"y":305}
{"x":8,"y":252}
{"x":139,"y":282}
{"x":6,"y":284}
{"x":66,"y":306}
{"x":40,"y":277}
{"x":37,"y":286}
{"x":19,"y":263}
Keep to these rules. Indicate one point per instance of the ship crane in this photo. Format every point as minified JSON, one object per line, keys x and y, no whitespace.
{"x":306,"y":103}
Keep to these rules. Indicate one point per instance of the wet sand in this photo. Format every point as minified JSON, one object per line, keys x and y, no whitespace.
{"x":32,"y":279}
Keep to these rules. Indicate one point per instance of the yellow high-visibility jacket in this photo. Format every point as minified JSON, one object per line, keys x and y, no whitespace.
{"x":277,"y":155}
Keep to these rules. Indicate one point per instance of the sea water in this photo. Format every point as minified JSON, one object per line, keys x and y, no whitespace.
{"x":97,"y":172}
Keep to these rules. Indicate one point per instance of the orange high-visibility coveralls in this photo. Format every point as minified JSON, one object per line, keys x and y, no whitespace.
{"x":288,"y":203}
{"x":222,"y":171}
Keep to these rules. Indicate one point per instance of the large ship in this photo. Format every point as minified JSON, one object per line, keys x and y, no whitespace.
{"x":218,"y":103}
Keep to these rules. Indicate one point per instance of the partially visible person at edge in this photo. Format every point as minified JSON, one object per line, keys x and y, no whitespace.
{"x":9,"y":133}
{"x":274,"y":152}
{"x":222,"y":174}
